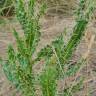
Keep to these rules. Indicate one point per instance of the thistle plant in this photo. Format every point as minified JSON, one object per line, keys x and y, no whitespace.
{"x":19,"y":65}
{"x":62,"y":53}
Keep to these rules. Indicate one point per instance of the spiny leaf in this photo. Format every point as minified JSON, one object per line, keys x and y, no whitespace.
{"x":33,"y":35}
{"x":46,"y":52}
{"x":31,"y":5}
{"x":20,"y":44}
{"x":75,"y":39}
{"x":48,"y":81}
{"x":11,"y":55}
{"x":21,"y":14}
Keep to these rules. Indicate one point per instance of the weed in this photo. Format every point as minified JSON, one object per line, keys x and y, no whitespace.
{"x":19,"y":65}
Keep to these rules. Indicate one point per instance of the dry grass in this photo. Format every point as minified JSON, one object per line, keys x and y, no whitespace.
{"x":65,"y":7}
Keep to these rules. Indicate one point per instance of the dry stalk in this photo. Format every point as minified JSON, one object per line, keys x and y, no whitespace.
{"x":89,"y":41}
{"x":89,"y":44}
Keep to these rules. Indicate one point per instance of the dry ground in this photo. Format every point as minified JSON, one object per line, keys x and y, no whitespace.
{"x":51,"y":27}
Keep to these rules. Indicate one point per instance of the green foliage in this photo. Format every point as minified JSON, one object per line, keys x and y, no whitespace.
{"x":48,"y":81}
{"x":63,"y":53}
{"x":19,"y":65}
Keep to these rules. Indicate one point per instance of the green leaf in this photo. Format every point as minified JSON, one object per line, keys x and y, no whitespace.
{"x":46,"y":52}
{"x":20,"y":45}
{"x":48,"y":81}
{"x":11,"y":55}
